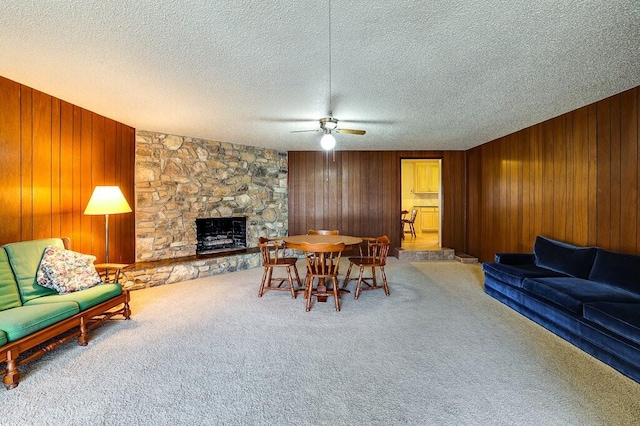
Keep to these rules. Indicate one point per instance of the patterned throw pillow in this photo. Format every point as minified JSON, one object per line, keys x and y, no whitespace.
{"x":66,"y":271}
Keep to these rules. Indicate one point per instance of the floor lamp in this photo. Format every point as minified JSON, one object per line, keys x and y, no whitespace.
{"x":107,"y":200}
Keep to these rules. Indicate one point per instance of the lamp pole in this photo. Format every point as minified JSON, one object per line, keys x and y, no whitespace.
{"x":106,"y":240}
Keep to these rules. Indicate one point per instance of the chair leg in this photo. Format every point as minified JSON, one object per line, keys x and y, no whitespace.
{"x":359,"y":283}
{"x":269,"y":278}
{"x":264,"y":279}
{"x":309,"y":291}
{"x":384,"y":281}
{"x":300,"y":284}
{"x":346,"y":278}
{"x":336,"y":293}
{"x":293,"y":292}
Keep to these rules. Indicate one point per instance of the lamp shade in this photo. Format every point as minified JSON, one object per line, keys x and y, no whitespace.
{"x":107,"y":200}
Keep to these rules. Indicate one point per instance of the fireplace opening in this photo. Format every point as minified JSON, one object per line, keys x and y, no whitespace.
{"x":221,"y":234}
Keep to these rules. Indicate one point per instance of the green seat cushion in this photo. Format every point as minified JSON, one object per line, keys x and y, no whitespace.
{"x":84,"y":298}
{"x":9,"y":295}
{"x":24,"y":320}
{"x":3,"y":338}
{"x":24,"y":258}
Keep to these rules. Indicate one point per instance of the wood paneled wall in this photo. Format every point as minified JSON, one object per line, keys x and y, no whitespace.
{"x":52,"y":155}
{"x":573,"y":178}
{"x":359,"y":193}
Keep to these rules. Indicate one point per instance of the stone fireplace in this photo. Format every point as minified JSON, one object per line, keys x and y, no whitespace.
{"x":180,"y":180}
{"x":219,"y":235}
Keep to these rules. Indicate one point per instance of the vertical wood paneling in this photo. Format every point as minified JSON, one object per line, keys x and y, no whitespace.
{"x":56,"y":168}
{"x":547,"y":178}
{"x":97,"y":177}
{"x":538,"y":200}
{"x":559,"y":178}
{"x":593,"y":178}
{"x":580,"y":212}
{"x":26,"y":164}
{"x":474,"y":200}
{"x":637,"y":135}
{"x":570,"y":177}
{"x":454,"y":199}
{"x":66,"y":170}
{"x":76,"y":166}
{"x":578,"y":177}
{"x":629,"y":191}
{"x":616,"y":181}
{"x":127,"y":245}
{"x":86,"y":183}
{"x":52,"y":154}
{"x":603,"y":188}
{"x":10,"y":157}
{"x":41,"y":169}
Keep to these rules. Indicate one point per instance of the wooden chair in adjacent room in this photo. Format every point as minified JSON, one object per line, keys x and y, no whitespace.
{"x":411,"y":222}
{"x":323,"y":232}
{"x":272,"y":255}
{"x":376,"y":257}
{"x":322,"y":265}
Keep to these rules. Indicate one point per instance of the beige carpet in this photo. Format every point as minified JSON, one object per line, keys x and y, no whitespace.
{"x":210,"y":352}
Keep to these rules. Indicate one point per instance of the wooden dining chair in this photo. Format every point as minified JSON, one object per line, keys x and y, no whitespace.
{"x":411,"y":222}
{"x":377,"y":251}
{"x":272,"y":255}
{"x":323,"y":232}
{"x":322,"y":265}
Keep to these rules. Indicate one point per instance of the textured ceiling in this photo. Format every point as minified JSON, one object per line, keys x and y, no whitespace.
{"x":413,"y":74}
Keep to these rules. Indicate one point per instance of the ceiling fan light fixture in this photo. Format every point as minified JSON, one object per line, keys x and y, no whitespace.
{"x":328,"y":142}
{"x":329,"y":123}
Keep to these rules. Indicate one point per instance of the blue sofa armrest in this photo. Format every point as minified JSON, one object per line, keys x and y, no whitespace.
{"x":515,"y":258}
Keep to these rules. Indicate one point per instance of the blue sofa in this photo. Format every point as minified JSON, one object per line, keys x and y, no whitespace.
{"x":586,"y":295}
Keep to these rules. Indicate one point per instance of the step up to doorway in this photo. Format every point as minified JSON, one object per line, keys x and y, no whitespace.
{"x":443,"y":254}
{"x":466,"y":258}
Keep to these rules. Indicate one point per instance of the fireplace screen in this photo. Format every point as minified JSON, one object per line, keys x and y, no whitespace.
{"x":221,"y":234}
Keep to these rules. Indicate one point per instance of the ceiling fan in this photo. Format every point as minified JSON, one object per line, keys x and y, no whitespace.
{"x":328,"y":125}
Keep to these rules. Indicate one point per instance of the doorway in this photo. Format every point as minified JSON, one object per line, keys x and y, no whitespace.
{"x":420,"y":182}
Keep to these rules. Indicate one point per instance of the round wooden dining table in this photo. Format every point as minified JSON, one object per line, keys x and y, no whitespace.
{"x":295,"y":241}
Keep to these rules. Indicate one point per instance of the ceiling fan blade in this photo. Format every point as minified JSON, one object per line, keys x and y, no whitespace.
{"x":303,"y":131}
{"x":350,"y":131}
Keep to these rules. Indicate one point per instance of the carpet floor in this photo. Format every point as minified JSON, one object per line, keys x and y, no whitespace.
{"x":210,"y":352}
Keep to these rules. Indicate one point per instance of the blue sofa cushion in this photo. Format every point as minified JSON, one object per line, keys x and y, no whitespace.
{"x":571,"y":293}
{"x":621,"y":318}
{"x":515,"y":275}
{"x":564,"y":258}
{"x":621,"y":270}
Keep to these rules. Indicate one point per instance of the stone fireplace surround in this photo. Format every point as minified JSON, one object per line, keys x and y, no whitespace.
{"x":181,"y":179}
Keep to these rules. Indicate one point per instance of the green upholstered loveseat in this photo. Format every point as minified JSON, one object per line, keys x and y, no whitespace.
{"x":36,"y":319}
